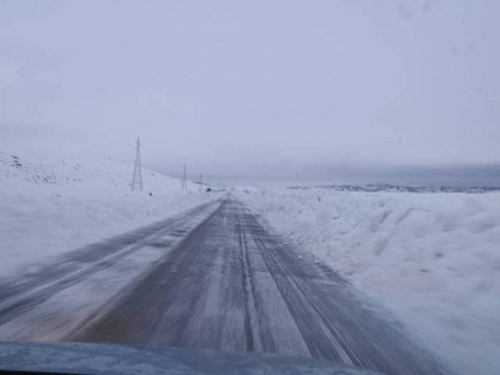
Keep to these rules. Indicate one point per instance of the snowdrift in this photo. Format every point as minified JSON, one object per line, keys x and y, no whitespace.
{"x":433,"y":259}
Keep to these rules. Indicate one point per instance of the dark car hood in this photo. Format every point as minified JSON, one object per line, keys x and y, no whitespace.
{"x":78,"y":358}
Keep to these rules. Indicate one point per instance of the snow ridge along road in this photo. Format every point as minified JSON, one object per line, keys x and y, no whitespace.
{"x":231,"y":285}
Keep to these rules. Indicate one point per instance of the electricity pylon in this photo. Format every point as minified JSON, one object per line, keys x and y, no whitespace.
{"x":137,"y":176}
{"x":184,"y":178}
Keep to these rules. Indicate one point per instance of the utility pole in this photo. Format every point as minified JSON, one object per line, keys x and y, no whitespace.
{"x":137,"y":176}
{"x":201,"y":182}
{"x":184,"y":178}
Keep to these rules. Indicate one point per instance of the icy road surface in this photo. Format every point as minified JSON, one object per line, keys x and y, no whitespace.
{"x":211,"y":278}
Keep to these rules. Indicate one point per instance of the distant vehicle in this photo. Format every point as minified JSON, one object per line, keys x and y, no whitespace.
{"x":97,"y":359}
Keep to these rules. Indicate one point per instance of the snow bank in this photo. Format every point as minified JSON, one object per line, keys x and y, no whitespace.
{"x":50,"y":208}
{"x":433,"y":259}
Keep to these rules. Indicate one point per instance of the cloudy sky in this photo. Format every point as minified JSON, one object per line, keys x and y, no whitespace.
{"x":248,"y":86}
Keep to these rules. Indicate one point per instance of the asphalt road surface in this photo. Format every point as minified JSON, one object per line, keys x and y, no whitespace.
{"x":219,"y":279}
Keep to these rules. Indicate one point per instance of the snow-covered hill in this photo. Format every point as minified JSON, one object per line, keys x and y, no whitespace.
{"x":433,"y":259}
{"x":107,"y":174}
{"x":50,"y":208}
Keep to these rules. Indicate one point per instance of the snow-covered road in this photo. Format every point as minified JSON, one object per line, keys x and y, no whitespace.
{"x":212,"y":278}
{"x":52,"y":299}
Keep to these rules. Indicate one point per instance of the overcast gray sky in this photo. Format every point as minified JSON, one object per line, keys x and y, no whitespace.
{"x":244,"y":85}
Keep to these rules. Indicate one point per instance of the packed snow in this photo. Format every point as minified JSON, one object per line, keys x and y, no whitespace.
{"x":50,"y":208}
{"x":431,"y":259}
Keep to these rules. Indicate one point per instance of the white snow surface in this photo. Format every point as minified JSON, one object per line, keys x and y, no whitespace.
{"x":431,"y":259}
{"x":50,"y":208}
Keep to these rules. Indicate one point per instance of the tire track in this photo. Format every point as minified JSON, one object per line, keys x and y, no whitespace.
{"x":137,"y":314}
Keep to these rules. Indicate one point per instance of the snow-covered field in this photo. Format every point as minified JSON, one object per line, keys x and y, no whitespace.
{"x":432,"y":259}
{"x":50,"y":208}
